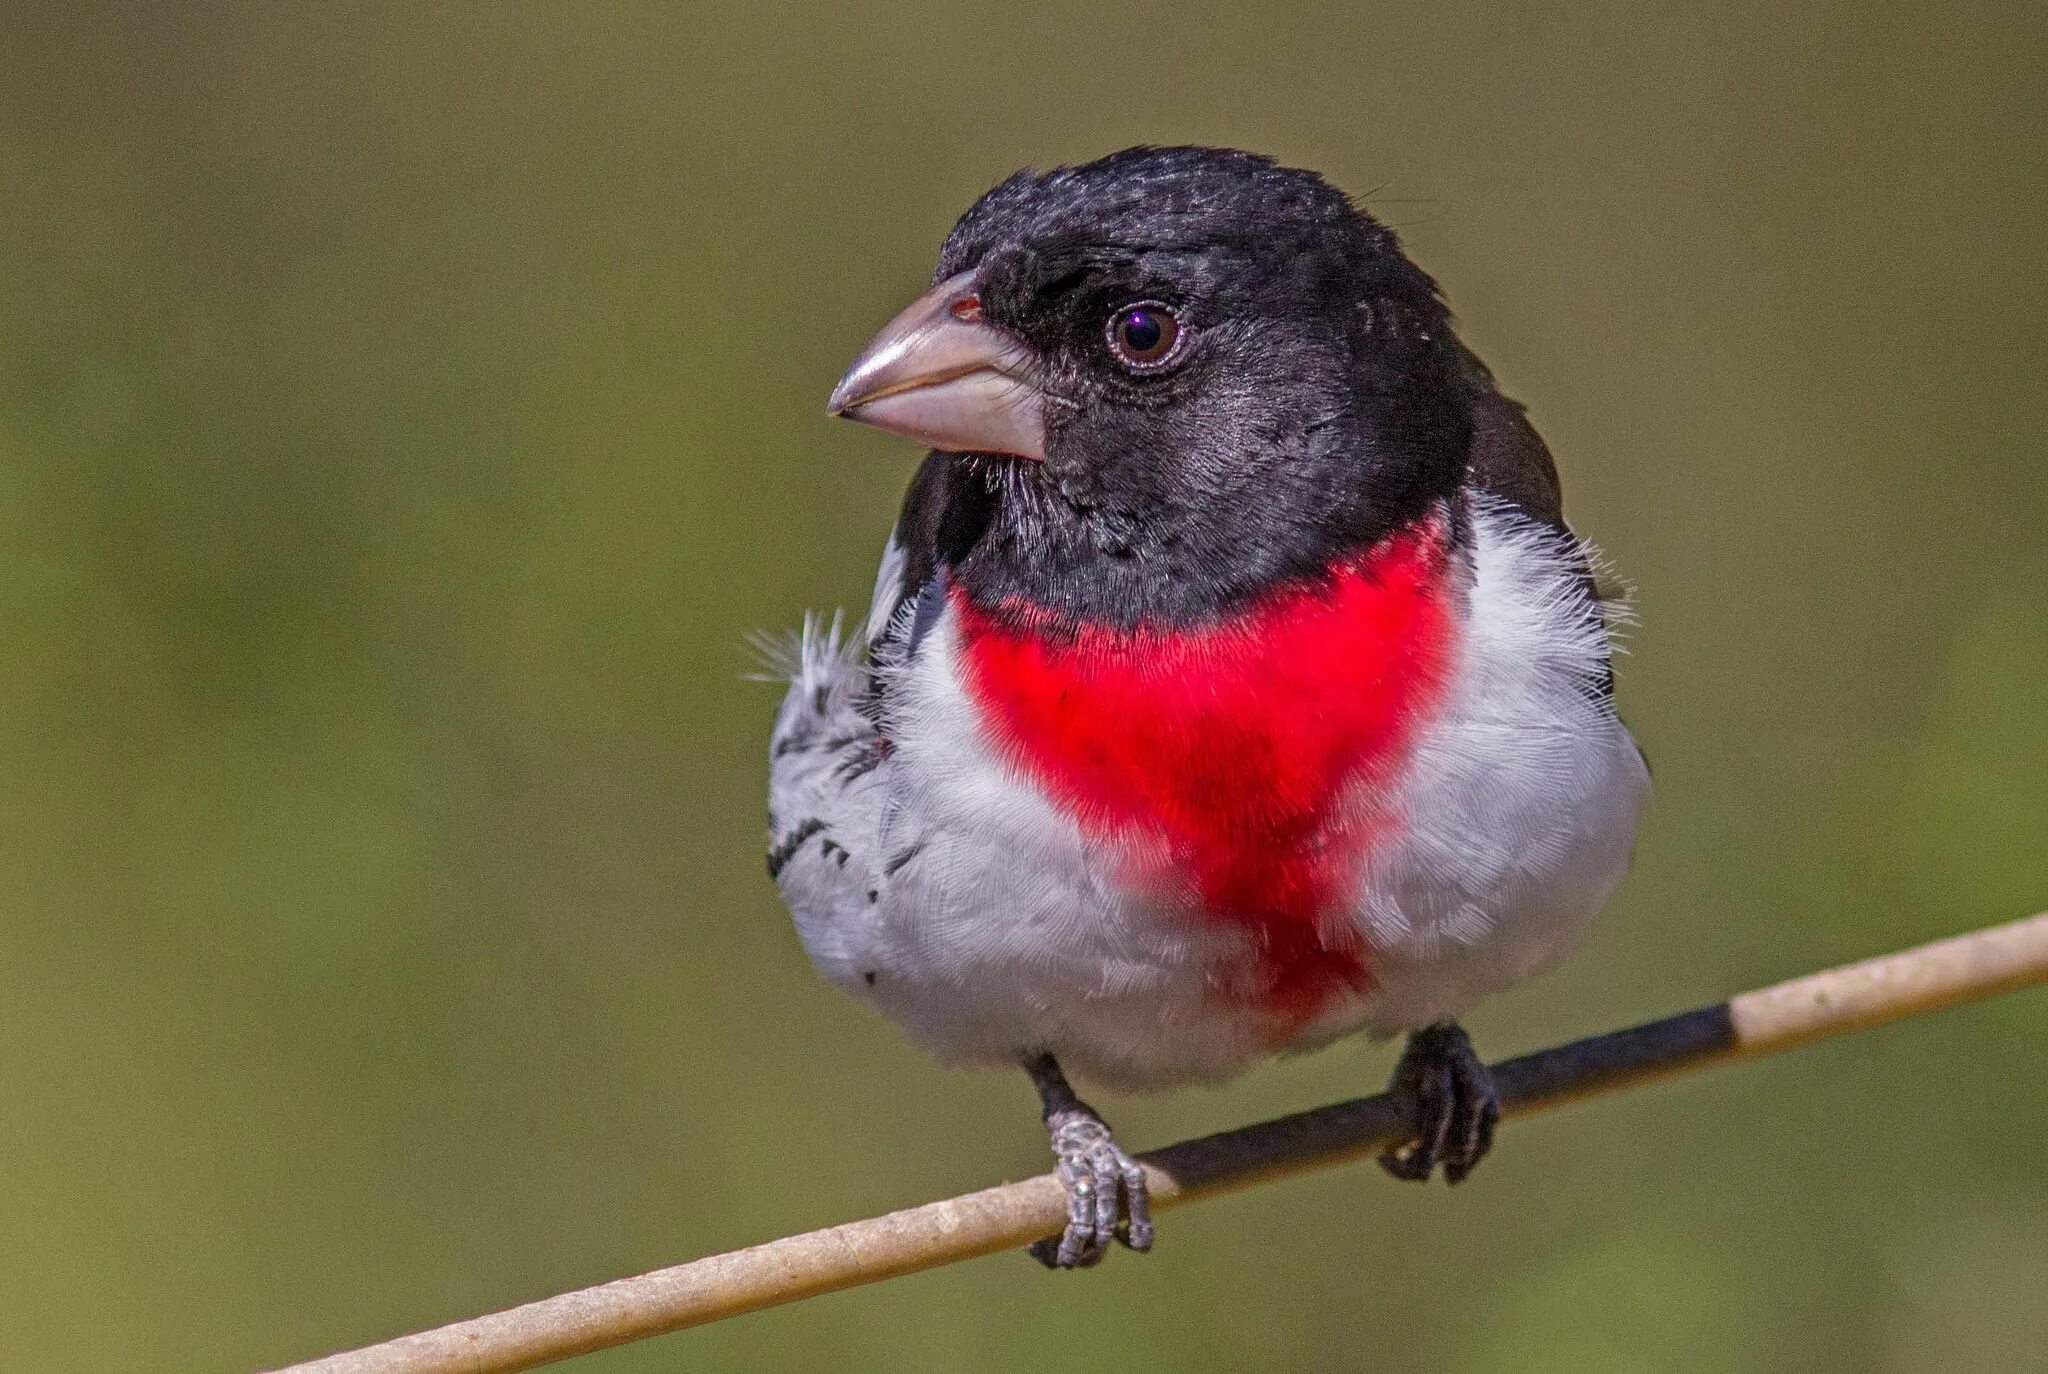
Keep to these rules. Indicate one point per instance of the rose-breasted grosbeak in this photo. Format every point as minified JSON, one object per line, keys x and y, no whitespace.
{"x":1232,"y":682}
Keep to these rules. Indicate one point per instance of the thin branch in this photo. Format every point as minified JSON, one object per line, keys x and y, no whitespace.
{"x":1963,"y":969}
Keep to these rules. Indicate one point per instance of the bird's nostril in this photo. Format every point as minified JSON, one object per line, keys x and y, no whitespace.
{"x":966,"y":308}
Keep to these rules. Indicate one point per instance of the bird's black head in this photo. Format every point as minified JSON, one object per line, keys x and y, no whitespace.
{"x":1228,"y":376}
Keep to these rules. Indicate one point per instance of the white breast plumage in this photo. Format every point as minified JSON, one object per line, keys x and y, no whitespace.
{"x":930,"y":877}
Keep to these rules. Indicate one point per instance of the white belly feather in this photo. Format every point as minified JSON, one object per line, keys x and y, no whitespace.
{"x":940,"y":884}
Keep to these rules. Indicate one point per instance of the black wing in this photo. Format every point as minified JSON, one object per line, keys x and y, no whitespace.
{"x":945,"y":513}
{"x":1507,"y":458}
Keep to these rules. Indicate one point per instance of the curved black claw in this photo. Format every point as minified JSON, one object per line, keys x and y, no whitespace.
{"x":1106,"y":1196}
{"x":1451,"y":1100}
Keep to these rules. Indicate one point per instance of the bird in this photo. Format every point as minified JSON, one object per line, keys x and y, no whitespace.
{"x":1232,"y":682}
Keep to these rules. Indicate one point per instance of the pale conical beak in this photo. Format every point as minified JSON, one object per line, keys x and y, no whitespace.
{"x":942,"y":375}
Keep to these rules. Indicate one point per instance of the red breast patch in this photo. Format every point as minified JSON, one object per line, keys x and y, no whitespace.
{"x":1221,"y":758}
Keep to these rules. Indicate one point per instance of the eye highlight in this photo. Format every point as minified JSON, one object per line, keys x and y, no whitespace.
{"x":1145,"y":336}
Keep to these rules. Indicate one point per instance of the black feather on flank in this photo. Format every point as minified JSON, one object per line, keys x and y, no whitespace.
{"x":786,"y":849}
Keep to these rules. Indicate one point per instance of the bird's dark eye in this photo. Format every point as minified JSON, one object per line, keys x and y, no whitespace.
{"x":1145,"y":337}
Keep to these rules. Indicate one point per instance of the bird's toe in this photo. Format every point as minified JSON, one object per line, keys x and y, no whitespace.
{"x":1106,"y":1195}
{"x":1450,"y":1098}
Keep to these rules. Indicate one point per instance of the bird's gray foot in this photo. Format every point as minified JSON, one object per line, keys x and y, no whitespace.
{"x":1106,"y":1197}
{"x":1450,"y":1097}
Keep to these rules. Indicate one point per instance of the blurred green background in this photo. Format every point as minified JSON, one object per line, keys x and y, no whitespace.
{"x":406,"y":411}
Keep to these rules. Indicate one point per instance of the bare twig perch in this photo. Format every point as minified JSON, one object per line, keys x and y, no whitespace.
{"x":1963,"y":969}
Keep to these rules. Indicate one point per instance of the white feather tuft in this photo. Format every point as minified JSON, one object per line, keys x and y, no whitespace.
{"x":817,"y":660}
